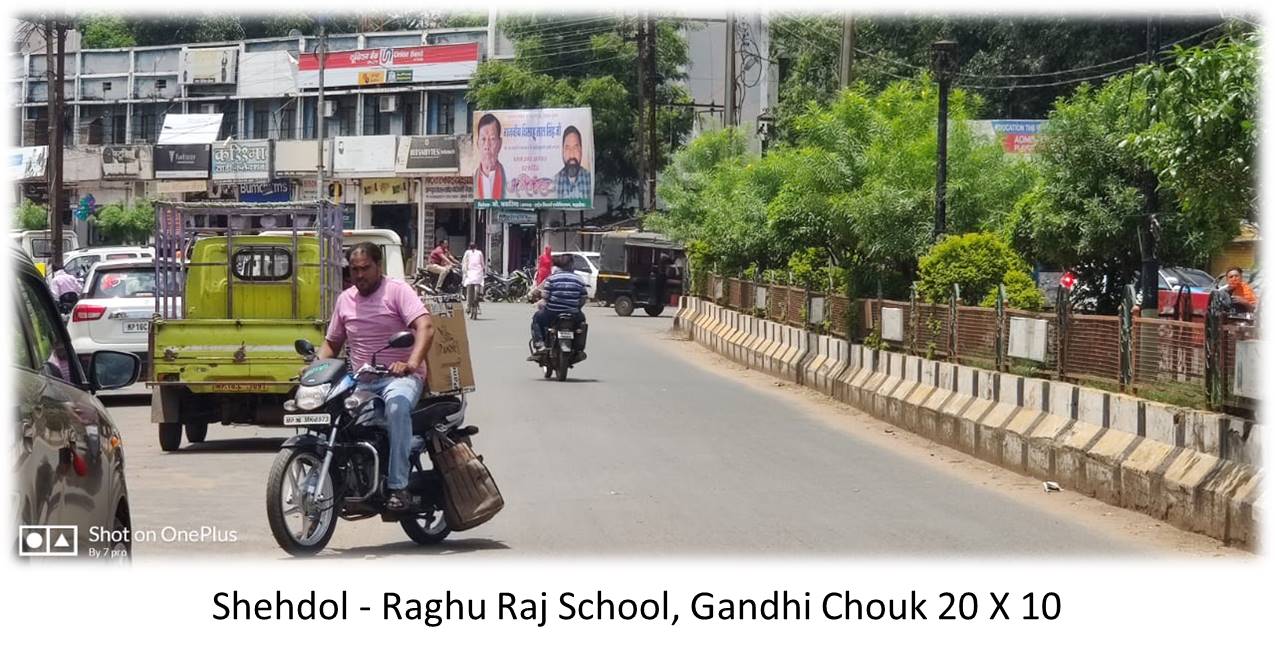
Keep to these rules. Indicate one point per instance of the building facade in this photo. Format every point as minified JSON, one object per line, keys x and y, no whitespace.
{"x":396,"y":127}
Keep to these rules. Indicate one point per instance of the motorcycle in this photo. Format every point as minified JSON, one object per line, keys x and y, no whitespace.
{"x":427,"y":282}
{"x":336,"y":468}
{"x":565,"y":340}
{"x":66,"y":303}
{"x":497,"y":288}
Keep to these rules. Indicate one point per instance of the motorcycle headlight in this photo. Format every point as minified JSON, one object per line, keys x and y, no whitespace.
{"x":309,"y":398}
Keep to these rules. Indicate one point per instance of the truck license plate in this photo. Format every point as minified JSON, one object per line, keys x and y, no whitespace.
{"x":136,"y":326}
{"x":307,"y":420}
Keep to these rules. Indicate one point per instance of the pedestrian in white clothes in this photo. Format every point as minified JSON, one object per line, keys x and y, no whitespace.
{"x":473,"y":268}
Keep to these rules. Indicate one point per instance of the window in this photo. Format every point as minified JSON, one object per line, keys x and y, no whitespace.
{"x":146,"y":128}
{"x":578,"y":263}
{"x":48,"y":343}
{"x":42,"y":247}
{"x":106,"y":86}
{"x":122,"y":283}
{"x":119,"y":129}
{"x":409,"y":118}
{"x":161,"y":84}
{"x":261,"y":124}
{"x":287,"y":123}
{"x":21,"y":348}
{"x":79,"y":267}
{"x":262,"y":264}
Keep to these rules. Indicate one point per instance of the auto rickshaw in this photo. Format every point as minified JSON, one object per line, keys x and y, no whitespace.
{"x":639,"y":269}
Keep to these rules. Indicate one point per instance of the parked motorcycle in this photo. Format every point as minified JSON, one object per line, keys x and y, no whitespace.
{"x":564,"y":345}
{"x":498,"y":288}
{"x":337,"y":467}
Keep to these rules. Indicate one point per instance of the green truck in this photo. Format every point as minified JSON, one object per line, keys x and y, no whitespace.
{"x":230,"y":303}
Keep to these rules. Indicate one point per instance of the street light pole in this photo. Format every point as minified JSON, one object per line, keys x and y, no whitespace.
{"x":318,"y":111}
{"x":943,"y":60}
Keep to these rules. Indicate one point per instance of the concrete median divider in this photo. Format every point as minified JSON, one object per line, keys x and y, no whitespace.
{"x":1197,"y":470}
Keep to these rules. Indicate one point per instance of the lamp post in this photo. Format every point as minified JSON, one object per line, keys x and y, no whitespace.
{"x":943,"y":61}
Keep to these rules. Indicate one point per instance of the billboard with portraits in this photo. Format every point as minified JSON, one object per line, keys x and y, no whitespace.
{"x":534,"y":158}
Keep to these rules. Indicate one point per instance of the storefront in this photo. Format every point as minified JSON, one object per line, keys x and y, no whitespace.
{"x":444,"y":196}
{"x":513,"y":239}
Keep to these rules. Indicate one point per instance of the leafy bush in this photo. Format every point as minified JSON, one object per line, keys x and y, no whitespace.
{"x":133,"y":225}
{"x":31,"y":216}
{"x":977,"y":261}
{"x":1021,"y":292}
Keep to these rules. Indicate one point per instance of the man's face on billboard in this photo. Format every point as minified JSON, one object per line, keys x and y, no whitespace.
{"x":572,"y":152}
{"x":488,"y":146}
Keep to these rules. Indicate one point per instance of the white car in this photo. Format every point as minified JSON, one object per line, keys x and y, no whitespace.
{"x":585,"y":265}
{"x":115,"y":309}
{"x":78,"y":262}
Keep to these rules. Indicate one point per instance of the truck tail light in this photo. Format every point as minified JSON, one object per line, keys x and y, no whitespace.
{"x":88,"y":312}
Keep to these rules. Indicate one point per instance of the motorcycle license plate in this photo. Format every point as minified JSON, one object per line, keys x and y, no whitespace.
{"x":307,"y":420}
{"x":566,"y":334}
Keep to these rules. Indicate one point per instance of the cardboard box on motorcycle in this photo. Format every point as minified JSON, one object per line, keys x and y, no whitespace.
{"x":449,"y":368}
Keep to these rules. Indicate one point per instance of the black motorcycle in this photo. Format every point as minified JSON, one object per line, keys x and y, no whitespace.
{"x":338,"y":465}
{"x":498,"y":288}
{"x":427,"y":282}
{"x":564,"y":345}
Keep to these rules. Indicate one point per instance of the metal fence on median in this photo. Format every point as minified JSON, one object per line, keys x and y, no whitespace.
{"x":1171,"y":361}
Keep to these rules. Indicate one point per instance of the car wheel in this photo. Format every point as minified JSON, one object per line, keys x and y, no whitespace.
{"x":196,"y":433}
{"x":653,"y":310}
{"x":170,"y":436}
{"x":623,"y":305}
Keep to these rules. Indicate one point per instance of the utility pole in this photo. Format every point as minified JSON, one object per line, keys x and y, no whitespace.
{"x":847,"y":50}
{"x":652,"y":106}
{"x":643,"y":101}
{"x":943,"y":61}
{"x":318,"y":112}
{"x":55,"y":29}
{"x":1148,"y":228}
{"x":729,"y":119}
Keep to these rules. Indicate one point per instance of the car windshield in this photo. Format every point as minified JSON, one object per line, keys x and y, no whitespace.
{"x":123,"y":283}
{"x":1191,"y":277}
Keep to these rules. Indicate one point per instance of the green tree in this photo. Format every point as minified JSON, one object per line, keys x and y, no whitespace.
{"x":106,"y":31}
{"x":132,"y":225}
{"x":1202,"y":137}
{"x":31,"y":216}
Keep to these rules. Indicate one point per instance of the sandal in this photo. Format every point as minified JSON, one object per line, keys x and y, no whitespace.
{"x":397,"y":501}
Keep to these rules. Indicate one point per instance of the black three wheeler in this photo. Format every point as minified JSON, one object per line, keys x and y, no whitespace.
{"x":639,"y":269}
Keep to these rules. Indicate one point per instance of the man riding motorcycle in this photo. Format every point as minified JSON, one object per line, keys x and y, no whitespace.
{"x":441,"y":262}
{"x":563,"y":293}
{"x":364,"y":318}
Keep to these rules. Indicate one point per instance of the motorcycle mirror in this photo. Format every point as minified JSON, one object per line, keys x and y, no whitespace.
{"x":303,"y":347}
{"x":402,"y":339}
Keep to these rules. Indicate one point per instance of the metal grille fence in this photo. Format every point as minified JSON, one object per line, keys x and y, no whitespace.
{"x":1158,"y":359}
{"x":1093,"y":348}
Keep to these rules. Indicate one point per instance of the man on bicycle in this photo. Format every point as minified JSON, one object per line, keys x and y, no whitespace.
{"x":474,"y":269}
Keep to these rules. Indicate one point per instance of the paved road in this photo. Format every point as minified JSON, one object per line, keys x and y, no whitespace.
{"x":651,"y":448}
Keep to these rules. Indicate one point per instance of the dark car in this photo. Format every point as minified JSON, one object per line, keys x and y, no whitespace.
{"x":68,"y":459}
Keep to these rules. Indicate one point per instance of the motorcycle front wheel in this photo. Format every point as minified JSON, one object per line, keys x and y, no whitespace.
{"x":301,"y":523}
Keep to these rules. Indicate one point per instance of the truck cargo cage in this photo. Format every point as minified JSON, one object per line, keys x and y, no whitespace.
{"x":179,"y":225}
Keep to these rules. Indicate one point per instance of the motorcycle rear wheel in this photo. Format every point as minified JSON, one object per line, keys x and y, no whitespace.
{"x":433,"y":532}
{"x":289,"y":474}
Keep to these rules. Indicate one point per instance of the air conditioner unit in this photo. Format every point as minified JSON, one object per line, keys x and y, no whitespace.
{"x":387,"y":103}
{"x":329,"y":108}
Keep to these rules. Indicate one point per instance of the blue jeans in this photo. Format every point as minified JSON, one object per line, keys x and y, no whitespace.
{"x":400,"y":394}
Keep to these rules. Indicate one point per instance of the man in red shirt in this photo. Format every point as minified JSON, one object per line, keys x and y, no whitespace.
{"x":440,"y":261}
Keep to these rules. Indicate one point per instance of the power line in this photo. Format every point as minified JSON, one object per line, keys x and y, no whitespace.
{"x":1081,"y":69}
{"x":1059,"y":83}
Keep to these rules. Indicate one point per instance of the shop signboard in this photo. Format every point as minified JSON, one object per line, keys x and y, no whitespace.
{"x":362,"y":155}
{"x":241,"y":160}
{"x":182,"y":161}
{"x":447,"y":189}
{"x":385,"y":191}
{"x":428,"y":154}
{"x":275,"y":191}
{"x":422,"y":63}
{"x":124,"y":162}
